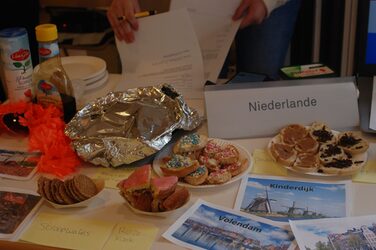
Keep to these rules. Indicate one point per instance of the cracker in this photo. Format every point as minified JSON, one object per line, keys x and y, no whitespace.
{"x":55,"y":183}
{"x":47,"y":189}
{"x":41,"y":186}
{"x":66,"y":198}
{"x":74,"y":191}
{"x":84,"y":186}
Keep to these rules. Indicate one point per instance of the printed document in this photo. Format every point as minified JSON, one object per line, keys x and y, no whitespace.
{"x":372,"y":118}
{"x":165,"y":50}
{"x":214,"y":28}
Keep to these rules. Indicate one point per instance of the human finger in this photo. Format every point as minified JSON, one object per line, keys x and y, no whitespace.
{"x":241,"y":9}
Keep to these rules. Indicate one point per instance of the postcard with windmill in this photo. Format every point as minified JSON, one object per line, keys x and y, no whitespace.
{"x":281,"y":199}
{"x":209,"y":226}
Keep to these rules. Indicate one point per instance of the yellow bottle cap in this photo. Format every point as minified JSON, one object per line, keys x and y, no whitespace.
{"x":46,"y":32}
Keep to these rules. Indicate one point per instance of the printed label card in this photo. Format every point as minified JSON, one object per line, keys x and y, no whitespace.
{"x":68,"y":232}
{"x":208,"y":226}
{"x":336,"y":233}
{"x":18,"y":165}
{"x":281,"y":199}
{"x":16,"y":209}
{"x":113,"y":176}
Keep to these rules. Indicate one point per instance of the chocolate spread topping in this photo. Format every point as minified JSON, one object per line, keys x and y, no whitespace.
{"x":339,"y":163}
{"x":323,"y":135}
{"x":331,"y":150}
{"x":347,"y":140}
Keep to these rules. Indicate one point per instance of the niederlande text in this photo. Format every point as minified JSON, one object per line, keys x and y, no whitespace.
{"x":240,"y":224}
{"x":283,"y":104}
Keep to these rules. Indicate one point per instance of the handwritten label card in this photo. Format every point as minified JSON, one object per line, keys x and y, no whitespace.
{"x":113,"y":176}
{"x":131,"y":236}
{"x":68,"y":232}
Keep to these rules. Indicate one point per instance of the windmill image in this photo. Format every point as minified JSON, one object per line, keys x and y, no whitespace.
{"x":292,"y":210}
{"x":260,"y":204}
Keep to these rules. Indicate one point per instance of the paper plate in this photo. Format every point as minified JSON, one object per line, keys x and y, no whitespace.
{"x":83,"y":67}
{"x":100,"y":186}
{"x":95,"y":85}
{"x":243,"y":155}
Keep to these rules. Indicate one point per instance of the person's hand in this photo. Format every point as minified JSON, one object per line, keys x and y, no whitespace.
{"x":124,"y":28}
{"x":254,"y":12}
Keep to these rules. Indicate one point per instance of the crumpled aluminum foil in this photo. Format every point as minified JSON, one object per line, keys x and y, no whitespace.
{"x":124,"y":127}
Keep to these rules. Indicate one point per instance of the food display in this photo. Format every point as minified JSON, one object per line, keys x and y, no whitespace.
{"x":317,"y":149}
{"x":199,"y":161}
{"x":73,"y":191}
{"x":153,"y":195}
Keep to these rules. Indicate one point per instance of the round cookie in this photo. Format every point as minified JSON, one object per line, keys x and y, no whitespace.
{"x":219,"y":177}
{"x":179,"y":166}
{"x":191,"y":142}
{"x":197,"y":177}
{"x":228,"y":155}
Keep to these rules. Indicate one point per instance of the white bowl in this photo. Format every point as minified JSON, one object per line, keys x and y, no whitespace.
{"x":100,"y":186}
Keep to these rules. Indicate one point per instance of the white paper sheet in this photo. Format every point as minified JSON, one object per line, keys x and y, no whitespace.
{"x":372,"y":117}
{"x":165,"y":50}
{"x":208,"y":226}
{"x":280,"y":199}
{"x":336,"y":233}
{"x":214,"y":28}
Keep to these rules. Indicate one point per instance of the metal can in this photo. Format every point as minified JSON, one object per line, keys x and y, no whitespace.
{"x":16,"y":63}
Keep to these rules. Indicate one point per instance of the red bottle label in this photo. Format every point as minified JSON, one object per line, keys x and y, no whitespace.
{"x":20,"y":55}
{"x":44,"y":52}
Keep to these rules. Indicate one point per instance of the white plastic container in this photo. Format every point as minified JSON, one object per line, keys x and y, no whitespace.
{"x":16,"y":63}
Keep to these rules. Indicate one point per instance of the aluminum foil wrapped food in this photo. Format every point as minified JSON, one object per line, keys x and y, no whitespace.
{"x":124,"y":127}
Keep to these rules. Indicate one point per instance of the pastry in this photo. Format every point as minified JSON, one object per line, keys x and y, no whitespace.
{"x":219,"y":177}
{"x":352,"y":143}
{"x":322,"y":133}
{"x":306,"y":162}
{"x":211,"y":149}
{"x":188,"y":143}
{"x":330,"y":152}
{"x":179,"y":166}
{"x":307,"y":145}
{"x":163,"y":187}
{"x":176,"y":200}
{"x":139,"y":179}
{"x":283,"y":153}
{"x":293,"y":133}
{"x":236,"y":168}
{"x":210,"y":163}
{"x":344,"y":166}
{"x":197,"y":177}
{"x":228,"y":155}
{"x":150,"y":194}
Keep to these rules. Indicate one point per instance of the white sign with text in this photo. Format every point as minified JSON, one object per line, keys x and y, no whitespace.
{"x":263,"y":108}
